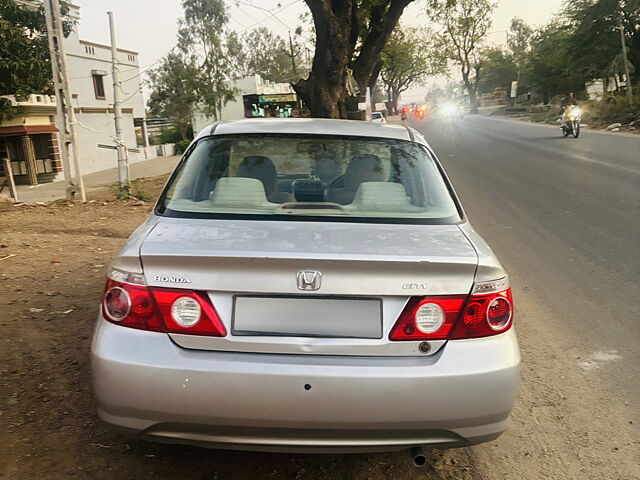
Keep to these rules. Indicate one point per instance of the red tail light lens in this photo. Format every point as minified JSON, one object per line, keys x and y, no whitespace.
{"x":161,"y":309}
{"x":485,"y":315}
{"x":487,"y":311}
{"x":178,"y":310}
{"x":421,"y":318}
{"x":131,"y":306}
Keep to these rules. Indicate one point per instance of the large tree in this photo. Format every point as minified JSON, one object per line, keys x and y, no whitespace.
{"x":261,"y":52}
{"x":174,"y":84}
{"x":201,"y":41}
{"x":409,"y":57}
{"x":595,"y":34}
{"x":349,"y":35}
{"x":499,"y":69}
{"x":464,"y":23}
{"x":552,"y":64}
{"x":519,"y":43}
{"x":25,"y":67}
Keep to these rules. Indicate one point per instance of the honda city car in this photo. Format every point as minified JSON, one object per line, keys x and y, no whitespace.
{"x":307,"y":285}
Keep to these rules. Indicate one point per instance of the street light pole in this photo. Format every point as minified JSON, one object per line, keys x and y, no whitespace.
{"x":123,"y":164}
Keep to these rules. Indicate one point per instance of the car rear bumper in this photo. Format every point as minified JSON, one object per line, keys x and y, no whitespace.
{"x":149,"y":386}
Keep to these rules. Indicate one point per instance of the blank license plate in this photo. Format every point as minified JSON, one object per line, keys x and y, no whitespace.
{"x":308,"y":317}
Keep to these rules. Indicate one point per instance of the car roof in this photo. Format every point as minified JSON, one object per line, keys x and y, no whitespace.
{"x":313,"y":126}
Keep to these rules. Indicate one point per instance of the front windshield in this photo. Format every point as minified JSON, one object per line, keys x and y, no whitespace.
{"x":346,"y":178}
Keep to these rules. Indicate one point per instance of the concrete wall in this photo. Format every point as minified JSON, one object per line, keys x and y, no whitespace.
{"x":99,"y":128}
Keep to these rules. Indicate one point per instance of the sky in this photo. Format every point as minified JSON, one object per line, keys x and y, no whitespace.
{"x":149,"y":26}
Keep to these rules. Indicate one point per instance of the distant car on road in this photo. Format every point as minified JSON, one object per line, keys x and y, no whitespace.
{"x":378,"y":117}
{"x":307,"y":285}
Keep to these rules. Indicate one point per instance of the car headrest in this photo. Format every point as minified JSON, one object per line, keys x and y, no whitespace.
{"x":238,"y":192}
{"x":383,"y":197}
{"x":363,"y":168}
{"x":261,"y":168}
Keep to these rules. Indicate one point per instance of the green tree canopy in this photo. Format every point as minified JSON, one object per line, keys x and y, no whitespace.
{"x":409,"y":57}
{"x":499,"y":69}
{"x":464,"y":23}
{"x":25,"y":66}
{"x":201,"y":41}
{"x":174,"y":90}
{"x":261,"y":52}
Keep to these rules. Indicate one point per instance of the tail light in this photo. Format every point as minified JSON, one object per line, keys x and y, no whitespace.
{"x":487,"y":311}
{"x":428,"y":318}
{"x":170,"y":310}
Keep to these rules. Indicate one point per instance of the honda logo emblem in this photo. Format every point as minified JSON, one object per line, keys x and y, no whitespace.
{"x":309,"y":280}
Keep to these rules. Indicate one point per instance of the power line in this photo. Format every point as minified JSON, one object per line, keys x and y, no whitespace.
{"x":272,"y":13}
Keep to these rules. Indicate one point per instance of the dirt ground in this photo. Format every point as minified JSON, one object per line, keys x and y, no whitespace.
{"x":52,"y":267}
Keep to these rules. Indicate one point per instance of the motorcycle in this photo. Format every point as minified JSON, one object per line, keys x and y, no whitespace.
{"x":572,"y":118}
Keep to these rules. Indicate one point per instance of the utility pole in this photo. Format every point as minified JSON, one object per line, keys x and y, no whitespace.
{"x":292,"y":55}
{"x":625,"y":61}
{"x":123,"y":162}
{"x":66,"y":117}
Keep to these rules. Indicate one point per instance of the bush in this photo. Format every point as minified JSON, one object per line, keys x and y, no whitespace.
{"x":181,"y":146}
{"x":616,"y":110}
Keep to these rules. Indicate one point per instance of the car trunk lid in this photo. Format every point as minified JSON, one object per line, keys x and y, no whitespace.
{"x":249,"y":267}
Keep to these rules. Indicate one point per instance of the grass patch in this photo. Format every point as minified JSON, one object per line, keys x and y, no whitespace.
{"x":135,"y":189}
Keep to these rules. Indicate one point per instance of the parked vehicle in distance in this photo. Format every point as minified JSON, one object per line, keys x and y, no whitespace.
{"x":378,"y":117}
{"x":307,"y":285}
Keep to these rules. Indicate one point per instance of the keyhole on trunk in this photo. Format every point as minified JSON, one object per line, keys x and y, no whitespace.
{"x":307,"y":386}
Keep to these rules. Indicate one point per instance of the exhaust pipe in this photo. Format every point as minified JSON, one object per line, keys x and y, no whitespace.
{"x":417,"y":456}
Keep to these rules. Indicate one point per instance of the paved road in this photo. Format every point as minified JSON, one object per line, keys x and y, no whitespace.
{"x":564,"y":217}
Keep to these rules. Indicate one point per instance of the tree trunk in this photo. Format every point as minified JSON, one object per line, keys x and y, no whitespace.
{"x":473,"y":98}
{"x":338,"y":25}
{"x":324,"y":92}
{"x":382,"y":21}
{"x":395,"y":94}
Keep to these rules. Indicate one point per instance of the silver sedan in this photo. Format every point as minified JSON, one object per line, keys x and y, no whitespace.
{"x":307,"y":285}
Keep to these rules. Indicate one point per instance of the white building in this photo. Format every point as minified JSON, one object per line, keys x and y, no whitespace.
{"x":255,"y":98}
{"x":89,"y":67}
{"x":90,"y":78}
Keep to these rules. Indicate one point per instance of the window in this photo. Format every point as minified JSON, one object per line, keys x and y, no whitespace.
{"x":131,"y":58}
{"x":89,"y":50}
{"x":98,"y":86}
{"x":310,"y":177}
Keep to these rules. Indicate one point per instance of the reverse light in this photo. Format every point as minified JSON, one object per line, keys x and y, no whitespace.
{"x":185,"y":311}
{"x":429,"y":317}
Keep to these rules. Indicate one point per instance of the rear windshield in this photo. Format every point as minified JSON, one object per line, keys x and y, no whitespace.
{"x":309,"y":178}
